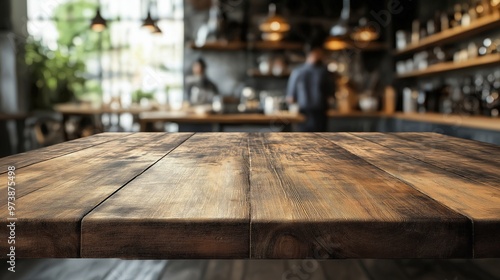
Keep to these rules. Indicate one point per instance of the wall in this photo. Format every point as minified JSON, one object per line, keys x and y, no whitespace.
{"x":225,"y":69}
{"x":228,"y":69}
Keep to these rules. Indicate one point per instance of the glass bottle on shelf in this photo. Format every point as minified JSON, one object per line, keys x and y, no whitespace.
{"x":445,"y":102}
{"x":492,"y":99}
{"x":415,"y":32}
{"x":444,"y":22}
{"x":477,"y":88}
{"x":472,"y":50}
{"x":466,"y":18}
{"x":433,"y":96}
{"x":456,"y":17}
{"x":486,"y":47}
{"x":480,"y":8}
{"x":423,"y":33}
{"x":472,"y":12}
{"x":471,"y":103}
{"x":432,"y":57}
{"x":422,"y":101}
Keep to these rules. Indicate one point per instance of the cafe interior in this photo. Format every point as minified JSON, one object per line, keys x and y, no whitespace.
{"x":75,"y":68}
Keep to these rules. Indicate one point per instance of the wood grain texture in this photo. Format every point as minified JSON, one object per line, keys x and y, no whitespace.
{"x":469,"y":148}
{"x":50,"y":152}
{"x":477,"y":201}
{"x":54,"y":195}
{"x":313,"y":199}
{"x":236,"y":195}
{"x":471,"y":168}
{"x":191,"y":204}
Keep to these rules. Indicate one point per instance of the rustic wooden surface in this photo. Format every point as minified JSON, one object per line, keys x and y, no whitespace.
{"x":313,"y":199}
{"x":262,"y":196}
{"x":204,"y":184}
{"x":54,"y":195}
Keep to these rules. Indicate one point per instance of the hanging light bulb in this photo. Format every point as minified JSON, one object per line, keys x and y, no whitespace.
{"x":273,"y":36}
{"x":274,"y":25}
{"x":157,"y":30}
{"x":338,"y":33}
{"x":364,"y":32}
{"x":98,"y":23}
{"x":149,"y":23}
{"x":335,"y":44}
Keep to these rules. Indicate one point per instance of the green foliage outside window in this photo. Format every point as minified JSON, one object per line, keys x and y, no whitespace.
{"x":59,"y":75}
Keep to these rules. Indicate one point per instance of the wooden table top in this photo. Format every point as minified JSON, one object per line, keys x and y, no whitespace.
{"x":252,"y":195}
{"x":185,"y":117}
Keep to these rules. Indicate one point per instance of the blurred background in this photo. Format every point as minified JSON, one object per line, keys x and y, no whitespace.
{"x":73,"y":68}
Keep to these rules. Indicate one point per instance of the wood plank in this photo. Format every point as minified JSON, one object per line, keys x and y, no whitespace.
{"x":478,"y":201}
{"x":471,"y":168}
{"x":443,"y":67}
{"x":454,"y":34}
{"x":50,"y":152}
{"x":468,"y":148}
{"x":311,"y":198}
{"x":36,"y":176}
{"x":75,"y":184}
{"x":219,"y":46}
{"x":196,"y":199}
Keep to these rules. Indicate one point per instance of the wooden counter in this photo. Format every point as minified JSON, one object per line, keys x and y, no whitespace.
{"x":88,"y":110}
{"x":477,"y":122}
{"x":281,"y":118}
{"x":239,"y":195}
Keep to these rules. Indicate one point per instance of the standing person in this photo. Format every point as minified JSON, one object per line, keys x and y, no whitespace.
{"x":199,"y":89}
{"x":309,"y":86}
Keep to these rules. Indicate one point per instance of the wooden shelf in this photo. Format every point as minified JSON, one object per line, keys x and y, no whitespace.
{"x":255,"y":73}
{"x":280,"y":46}
{"x":492,"y":59}
{"x":220,"y":46}
{"x":368,"y":47}
{"x":276,"y":46}
{"x":454,"y":34}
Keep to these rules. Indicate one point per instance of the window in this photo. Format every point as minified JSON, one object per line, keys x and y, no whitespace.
{"x":123,"y":59}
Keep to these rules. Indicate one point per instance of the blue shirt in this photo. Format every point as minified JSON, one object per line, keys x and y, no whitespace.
{"x":310,"y":85}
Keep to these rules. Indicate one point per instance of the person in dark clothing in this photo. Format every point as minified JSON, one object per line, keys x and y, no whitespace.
{"x":310,"y":86}
{"x":199,"y":89}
